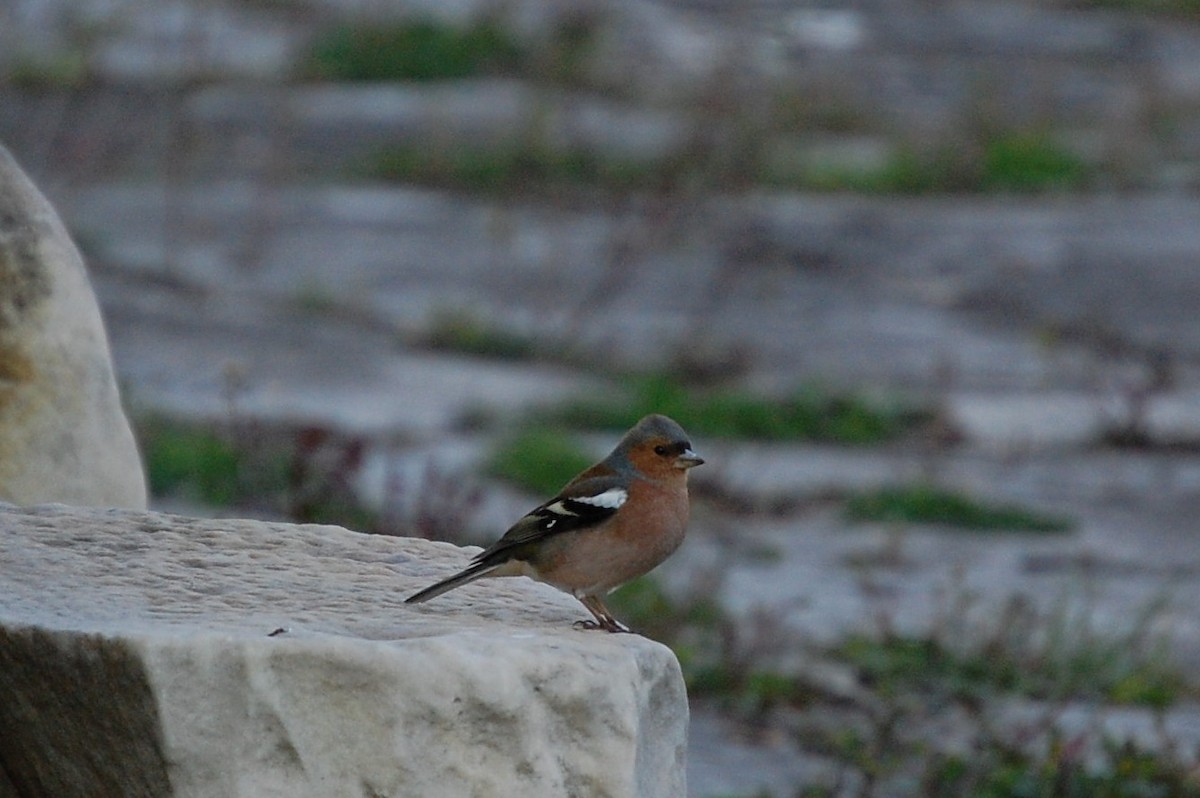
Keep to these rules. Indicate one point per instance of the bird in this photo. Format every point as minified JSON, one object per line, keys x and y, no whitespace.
{"x":611,"y":523}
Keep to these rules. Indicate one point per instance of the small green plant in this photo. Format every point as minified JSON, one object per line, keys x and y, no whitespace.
{"x":926,"y":504}
{"x":967,"y":668}
{"x":464,"y":333}
{"x":1029,"y":163}
{"x":1185,"y":8}
{"x":305,"y":474}
{"x":896,"y":664}
{"x":806,"y":415}
{"x":418,"y":50}
{"x":744,"y":690}
{"x":905,"y":172}
{"x":1015,"y":162}
{"x":1119,"y":770}
{"x":540,"y":460}
{"x":238,"y":465}
{"x":315,"y":299}
{"x":68,"y":70}
{"x":1058,"y":666}
{"x":191,"y":461}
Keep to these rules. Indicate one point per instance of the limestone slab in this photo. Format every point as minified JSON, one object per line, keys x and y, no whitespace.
{"x":122,"y":626}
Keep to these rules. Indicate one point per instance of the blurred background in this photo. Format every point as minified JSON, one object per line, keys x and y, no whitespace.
{"x":919,"y":277}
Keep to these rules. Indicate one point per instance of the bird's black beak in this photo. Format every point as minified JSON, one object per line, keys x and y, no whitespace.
{"x":688,"y":459}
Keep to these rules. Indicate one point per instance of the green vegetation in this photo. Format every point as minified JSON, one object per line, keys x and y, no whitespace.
{"x":430,"y":49}
{"x":540,"y":460}
{"x":1090,"y":668}
{"x":46,"y":73}
{"x":1051,"y":765}
{"x":904,"y":173}
{"x":1030,"y":163}
{"x":454,"y":331}
{"x":417,"y":50}
{"x":1059,"y":653}
{"x":315,"y":299}
{"x":746,"y":691}
{"x":645,"y":607}
{"x":426,"y":50}
{"x":1015,"y":162}
{"x":1186,"y":8}
{"x":301,"y":474}
{"x":926,"y":504}
{"x":1018,"y":162}
{"x":697,"y":630}
{"x":1119,"y":770}
{"x":519,"y":166}
{"x":192,"y":462}
{"x":895,"y":730}
{"x":709,"y":647}
{"x":1058,"y":657}
{"x":930,"y":726}
{"x":806,"y":415}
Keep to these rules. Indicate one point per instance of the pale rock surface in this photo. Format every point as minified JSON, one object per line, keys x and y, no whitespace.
{"x":135,"y":658}
{"x":63,"y":434}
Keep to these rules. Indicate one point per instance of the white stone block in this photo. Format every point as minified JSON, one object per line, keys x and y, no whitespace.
{"x":135,"y":650}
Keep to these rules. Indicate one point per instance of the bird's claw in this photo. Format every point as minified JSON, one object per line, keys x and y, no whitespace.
{"x":613,"y":627}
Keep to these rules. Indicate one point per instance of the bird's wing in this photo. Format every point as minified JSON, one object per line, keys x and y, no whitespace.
{"x":581,"y":505}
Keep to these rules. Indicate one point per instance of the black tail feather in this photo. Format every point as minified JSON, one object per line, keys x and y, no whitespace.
{"x":470,"y":574}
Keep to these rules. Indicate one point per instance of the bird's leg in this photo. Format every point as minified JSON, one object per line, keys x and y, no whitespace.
{"x":604,"y":619}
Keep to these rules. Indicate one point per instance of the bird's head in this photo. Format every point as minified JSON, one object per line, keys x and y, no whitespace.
{"x":659,"y":448}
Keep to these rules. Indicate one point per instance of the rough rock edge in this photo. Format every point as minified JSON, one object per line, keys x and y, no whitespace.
{"x":176,"y":689}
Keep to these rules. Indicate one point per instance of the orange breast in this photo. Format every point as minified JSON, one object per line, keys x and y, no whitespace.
{"x":639,"y":537}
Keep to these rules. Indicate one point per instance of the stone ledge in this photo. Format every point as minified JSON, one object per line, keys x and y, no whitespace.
{"x":134,"y":649}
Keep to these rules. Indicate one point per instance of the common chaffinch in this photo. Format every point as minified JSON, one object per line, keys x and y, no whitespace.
{"x":613,"y":522}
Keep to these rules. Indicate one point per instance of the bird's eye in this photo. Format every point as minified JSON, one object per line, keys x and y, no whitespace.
{"x":660,"y":450}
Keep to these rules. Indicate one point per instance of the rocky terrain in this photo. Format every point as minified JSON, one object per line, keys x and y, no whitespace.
{"x":176,"y":656}
{"x":984,"y":209}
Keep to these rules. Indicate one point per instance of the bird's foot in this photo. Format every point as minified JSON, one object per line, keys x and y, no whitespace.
{"x":615,"y":627}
